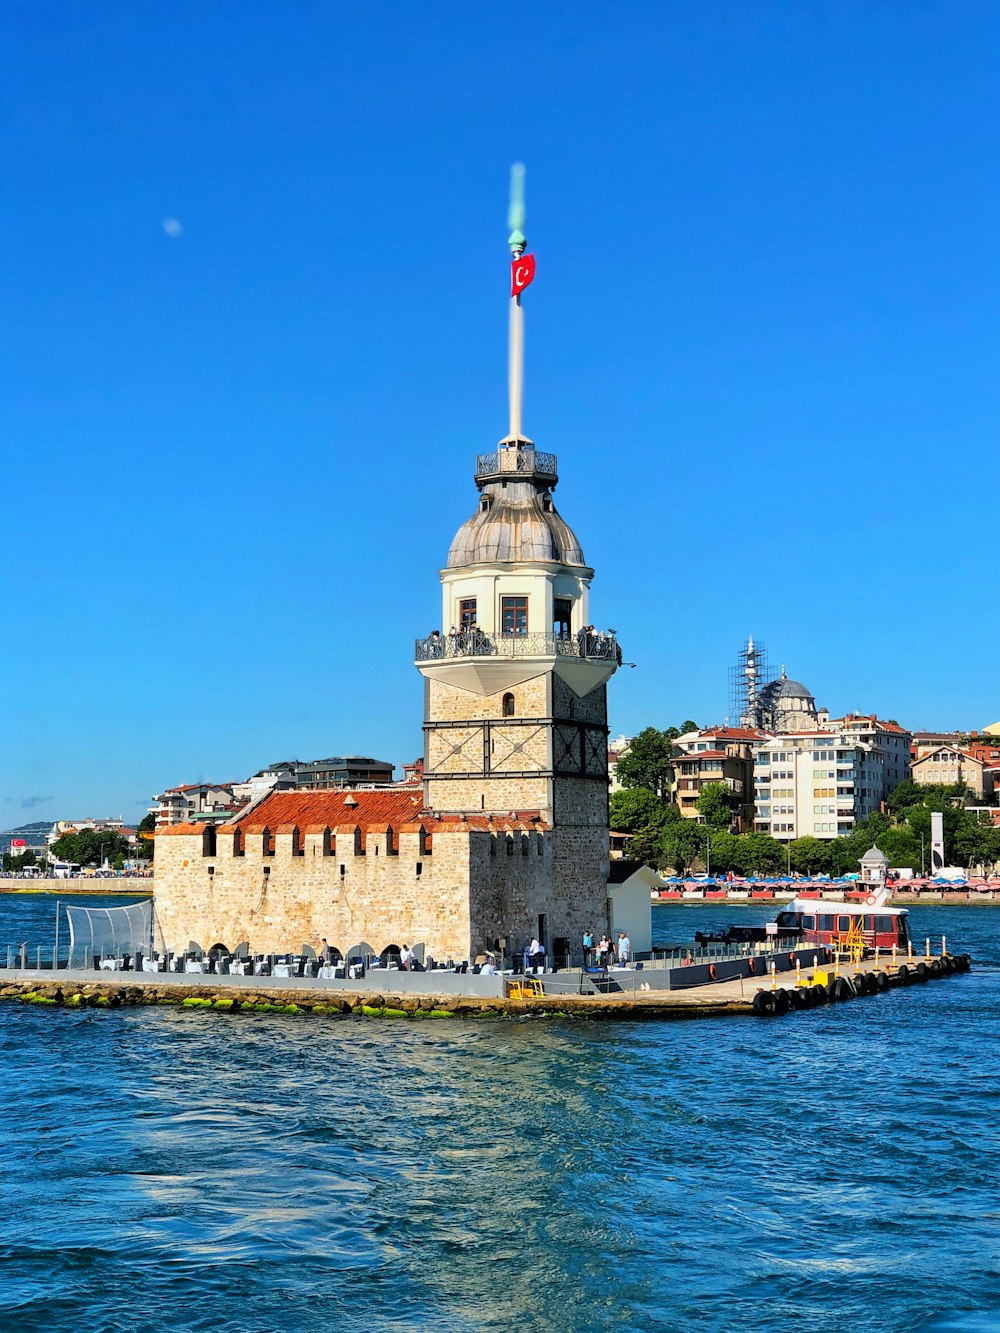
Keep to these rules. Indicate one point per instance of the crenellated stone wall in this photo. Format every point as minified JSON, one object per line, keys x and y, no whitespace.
{"x":454,"y":891}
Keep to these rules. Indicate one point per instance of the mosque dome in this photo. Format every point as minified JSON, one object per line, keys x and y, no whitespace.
{"x":791,"y":689}
{"x":788,"y":705}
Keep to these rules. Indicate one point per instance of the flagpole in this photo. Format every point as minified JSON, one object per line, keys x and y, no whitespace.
{"x":516,"y":363}
{"x":517,"y":243}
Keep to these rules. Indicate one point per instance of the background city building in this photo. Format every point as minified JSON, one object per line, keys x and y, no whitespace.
{"x":717,"y":754}
{"x":820,"y":784}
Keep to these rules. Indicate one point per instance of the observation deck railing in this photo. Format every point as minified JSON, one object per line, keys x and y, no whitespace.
{"x":475,"y":643}
{"x":503,"y":462}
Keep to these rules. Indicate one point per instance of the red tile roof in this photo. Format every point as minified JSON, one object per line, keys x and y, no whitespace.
{"x":869,"y":717}
{"x":399,"y":808}
{"x":735,"y":733}
{"x":388,"y":805}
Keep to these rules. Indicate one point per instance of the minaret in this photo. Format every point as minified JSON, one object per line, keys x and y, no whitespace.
{"x":515,"y":700}
{"x":750,"y":717}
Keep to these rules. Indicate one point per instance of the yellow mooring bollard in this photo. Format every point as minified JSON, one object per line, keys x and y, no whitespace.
{"x":944,"y":946}
{"x":909,"y":951}
{"x":894,"y":955}
{"x":774,"y":975}
{"x":798,"y":974}
{"x":876,"y":959}
{"x":927,"y":949}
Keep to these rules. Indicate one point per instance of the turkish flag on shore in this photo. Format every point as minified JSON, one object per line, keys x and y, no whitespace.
{"x":521,"y":273}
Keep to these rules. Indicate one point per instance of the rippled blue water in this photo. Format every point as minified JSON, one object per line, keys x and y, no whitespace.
{"x":834,"y":1168}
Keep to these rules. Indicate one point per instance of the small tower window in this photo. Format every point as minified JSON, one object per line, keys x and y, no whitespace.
{"x":467,"y":613}
{"x":508,"y":705}
{"x":562,"y":612}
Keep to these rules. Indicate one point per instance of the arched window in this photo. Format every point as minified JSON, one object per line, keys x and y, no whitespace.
{"x":508,"y":705}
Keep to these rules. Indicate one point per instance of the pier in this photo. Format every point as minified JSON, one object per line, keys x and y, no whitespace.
{"x":826,"y":982}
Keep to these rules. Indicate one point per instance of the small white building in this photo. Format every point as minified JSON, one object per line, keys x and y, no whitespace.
{"x":630,"y":906}
{"x":874,"y":867}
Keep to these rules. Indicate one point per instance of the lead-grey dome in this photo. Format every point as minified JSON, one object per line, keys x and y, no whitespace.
{"x":515,"y":522}
{"x":791,"y":689}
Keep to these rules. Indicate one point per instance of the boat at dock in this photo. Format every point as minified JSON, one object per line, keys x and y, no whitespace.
{"x":870,"y":923}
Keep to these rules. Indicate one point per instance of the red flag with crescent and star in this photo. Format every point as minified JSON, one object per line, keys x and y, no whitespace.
{"x":521,"y":273}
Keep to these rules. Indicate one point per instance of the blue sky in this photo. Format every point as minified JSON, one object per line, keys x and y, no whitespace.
{"x":762,"y":341}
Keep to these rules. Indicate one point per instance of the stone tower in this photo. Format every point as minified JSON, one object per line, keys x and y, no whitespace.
{"x":515,"y":703}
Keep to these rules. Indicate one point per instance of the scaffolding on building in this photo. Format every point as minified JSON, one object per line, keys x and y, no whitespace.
{"x":747,"y":680}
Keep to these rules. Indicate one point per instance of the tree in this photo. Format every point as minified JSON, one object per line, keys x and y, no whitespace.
{"x":646,"y":847}
{"x":758,"y":853}
{"x":976,"y":842}
{"x":21,"y":860}
{"x":906,"y":794}
{"x":810,"y":856}
{"x":636,"y":808}
{"x":724,"y":850}
{"x":87,"y":847}
{"x":145,"y":847}
{"x":901,"y":846}
{"x":717,"y":803}
{"x":646,"y":762}
{"x":682,"y":843}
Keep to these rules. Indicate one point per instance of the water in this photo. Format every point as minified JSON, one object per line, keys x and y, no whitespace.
{"x":834,"y":1168}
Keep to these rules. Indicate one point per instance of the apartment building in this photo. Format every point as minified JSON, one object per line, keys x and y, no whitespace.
{"x":978,"y":766}
{"x":819,"y":784}
{"x":717,"y":754}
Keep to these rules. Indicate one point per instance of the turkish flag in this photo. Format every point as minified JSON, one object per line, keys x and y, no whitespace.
{"x":521,"y":273}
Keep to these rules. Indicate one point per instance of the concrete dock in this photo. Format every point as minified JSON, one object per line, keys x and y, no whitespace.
{"x":233,"y":994}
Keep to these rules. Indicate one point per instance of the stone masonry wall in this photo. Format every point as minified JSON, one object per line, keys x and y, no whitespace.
{"x":348,"y":897}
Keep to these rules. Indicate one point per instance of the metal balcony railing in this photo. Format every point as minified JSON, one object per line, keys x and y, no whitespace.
{"x":475,"y":643}
{"x":524,"y":461}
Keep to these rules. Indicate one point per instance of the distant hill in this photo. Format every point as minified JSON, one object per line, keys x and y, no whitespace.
{"x":40,"y":826}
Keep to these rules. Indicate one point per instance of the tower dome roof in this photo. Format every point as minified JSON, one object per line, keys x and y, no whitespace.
{"x":516,"y":520}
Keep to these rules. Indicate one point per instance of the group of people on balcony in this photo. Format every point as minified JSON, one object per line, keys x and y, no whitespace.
{"x":471,"y":641}
{"x":595,"y":643}
{"x":466,"y":642}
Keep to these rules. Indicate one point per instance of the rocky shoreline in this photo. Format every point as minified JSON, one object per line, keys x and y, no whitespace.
{"x":331,"y":1003}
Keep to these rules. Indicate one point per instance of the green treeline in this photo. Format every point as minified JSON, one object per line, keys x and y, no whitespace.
{"x":665,"y":840}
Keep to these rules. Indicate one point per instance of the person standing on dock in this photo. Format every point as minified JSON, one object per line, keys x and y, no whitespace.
{"x":624,"y":949}
{"x":588,"y":947}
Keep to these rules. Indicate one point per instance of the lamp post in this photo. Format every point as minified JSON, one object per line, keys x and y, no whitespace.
{"x":921,"y":856}
{"x":708,"y":852}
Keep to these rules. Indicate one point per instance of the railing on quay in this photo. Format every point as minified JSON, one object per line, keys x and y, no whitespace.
{"x":475,"y":643}
{"x":524,"y":461}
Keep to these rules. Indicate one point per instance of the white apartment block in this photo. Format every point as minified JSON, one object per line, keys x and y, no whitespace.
{"x":819,"y":784}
